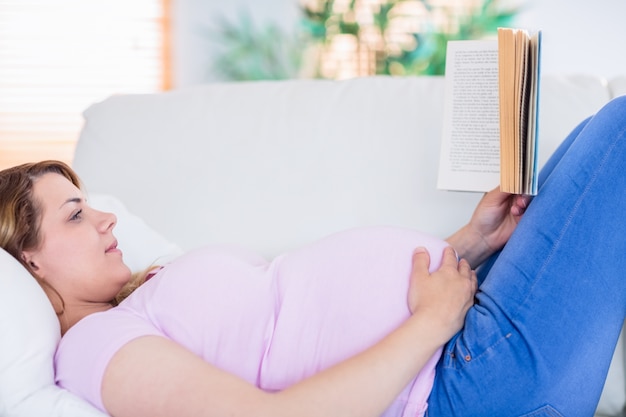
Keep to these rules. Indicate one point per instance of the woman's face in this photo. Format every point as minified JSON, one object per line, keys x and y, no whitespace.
{"x":78,"y":253}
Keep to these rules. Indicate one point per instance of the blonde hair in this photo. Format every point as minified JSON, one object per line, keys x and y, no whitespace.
{"x":135,"y":282}
{"x":20,"y":217}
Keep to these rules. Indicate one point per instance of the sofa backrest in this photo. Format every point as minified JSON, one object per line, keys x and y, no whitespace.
{"x":617,"y":85}
{"x":273,"y":165}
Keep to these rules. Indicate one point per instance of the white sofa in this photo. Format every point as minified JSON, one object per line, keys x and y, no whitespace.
{"x":273,"y":165}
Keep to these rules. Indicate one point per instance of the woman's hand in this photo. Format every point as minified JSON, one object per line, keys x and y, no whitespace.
{"x":444,"y":295}
{"x":497,"y":215}
{"x":491,"y":225}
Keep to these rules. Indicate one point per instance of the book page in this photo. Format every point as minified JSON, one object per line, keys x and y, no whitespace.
{"x":470,"y":146}
{"x":509,"y":107}
{"x":519,"y":84}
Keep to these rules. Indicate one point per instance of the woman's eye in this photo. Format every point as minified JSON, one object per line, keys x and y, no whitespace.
{"x":76,"y":216}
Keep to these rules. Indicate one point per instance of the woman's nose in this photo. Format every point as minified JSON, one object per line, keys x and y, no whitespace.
{"x":107,"y":221}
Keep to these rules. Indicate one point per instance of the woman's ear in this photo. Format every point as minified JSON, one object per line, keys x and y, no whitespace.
{"x":28,"y":260}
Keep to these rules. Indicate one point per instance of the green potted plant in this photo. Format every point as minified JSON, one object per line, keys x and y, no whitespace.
{"x":393,"y":37}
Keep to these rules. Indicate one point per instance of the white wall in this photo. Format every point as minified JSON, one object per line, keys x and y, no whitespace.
{"x":193,"y":19}
{"x":580,"y":36}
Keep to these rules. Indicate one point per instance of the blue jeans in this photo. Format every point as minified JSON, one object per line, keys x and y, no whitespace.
{"x":540,"y":338}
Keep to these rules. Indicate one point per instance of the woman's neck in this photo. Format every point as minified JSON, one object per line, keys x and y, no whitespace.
{"x":73,"y":314}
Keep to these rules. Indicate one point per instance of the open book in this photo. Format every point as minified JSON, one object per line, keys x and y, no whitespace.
{"x":490,"y":114}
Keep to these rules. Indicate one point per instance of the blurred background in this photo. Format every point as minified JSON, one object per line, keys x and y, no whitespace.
{"x":59,"y":56}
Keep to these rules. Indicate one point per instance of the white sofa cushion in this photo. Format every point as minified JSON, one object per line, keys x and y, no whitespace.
{"x":614,"y":394}
{"x":273,"y":165}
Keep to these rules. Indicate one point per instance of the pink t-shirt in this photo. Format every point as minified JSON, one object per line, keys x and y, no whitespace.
{"x":270,"y":323}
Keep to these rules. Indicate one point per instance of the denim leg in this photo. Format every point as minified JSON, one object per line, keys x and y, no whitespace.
{"x":483,"y":270}
{"x":551,"y":307}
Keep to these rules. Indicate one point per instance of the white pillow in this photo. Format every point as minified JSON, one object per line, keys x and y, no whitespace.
{"x":30,"y":330}
{"x":30,"y":333}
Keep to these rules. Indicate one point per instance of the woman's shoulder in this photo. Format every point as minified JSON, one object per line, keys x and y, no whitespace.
{"x":87,"y":347}
{"x":106,"y":330}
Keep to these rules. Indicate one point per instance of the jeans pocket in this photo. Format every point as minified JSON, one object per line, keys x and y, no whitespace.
{"x":545,"y":411}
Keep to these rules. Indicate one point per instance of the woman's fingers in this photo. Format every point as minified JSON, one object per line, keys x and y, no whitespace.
{"x":421,"y":261}
{"x":520,"y":204}
{"x":449,"y":257}
{"x":445,"y":294}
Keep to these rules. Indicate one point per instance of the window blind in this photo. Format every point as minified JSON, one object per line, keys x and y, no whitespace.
{"x":59,"y":56}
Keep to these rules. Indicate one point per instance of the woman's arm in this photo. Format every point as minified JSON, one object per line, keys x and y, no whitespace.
{"x":153,"y":376}
{"x":490,"y":226}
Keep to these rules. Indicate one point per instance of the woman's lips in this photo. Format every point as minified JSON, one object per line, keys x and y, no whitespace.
{"x":113,"y":248}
